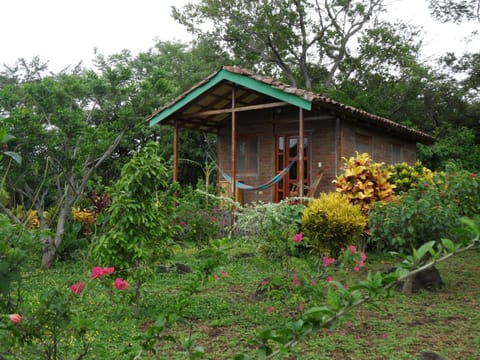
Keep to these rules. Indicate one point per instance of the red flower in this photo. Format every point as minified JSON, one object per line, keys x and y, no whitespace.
{"x":329,"y":278}
{"x":270,"y":309}
{"x":15,"y":318}
{"x":264,"y":282}
{"x":363,"y":256}
{"x":120,"y":284}
{"x":98,"y":272}
{"x":224,"y":274}
{"x":298,"y":238}
{"x":356,"y":269}
{"x":352,"y":249}
{"x":473,"y":175}
{"x":296,"y":281}
{"x":327,"y":261}
{"x":77,"y":287}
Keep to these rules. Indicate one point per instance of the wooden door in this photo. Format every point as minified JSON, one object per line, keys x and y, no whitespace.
{"x":286,"y":153}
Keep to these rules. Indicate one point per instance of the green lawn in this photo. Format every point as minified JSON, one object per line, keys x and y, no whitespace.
{"x":226,"y":317}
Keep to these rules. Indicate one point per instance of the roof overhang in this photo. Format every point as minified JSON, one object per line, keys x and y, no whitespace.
{"x":207,"y":105}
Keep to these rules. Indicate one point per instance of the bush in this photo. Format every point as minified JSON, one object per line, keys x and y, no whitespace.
{"x":331,"y":222}
{"x":272,"y":226}
{"x":405,"y":176}
{"x":364,"y":182}
{"x":422,"y":214}
{"x":198,"y":215}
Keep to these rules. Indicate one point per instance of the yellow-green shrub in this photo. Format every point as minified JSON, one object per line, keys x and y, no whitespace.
{"x":331,"y":223}
{"x":364,"y":182}
{"x":406,"y":177}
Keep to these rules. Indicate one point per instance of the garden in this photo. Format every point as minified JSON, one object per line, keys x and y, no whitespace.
{"x":151,"y":270}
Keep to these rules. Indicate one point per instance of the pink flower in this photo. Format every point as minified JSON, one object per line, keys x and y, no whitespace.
{"x":15,"y":318}
{"x":120,"y":284}
{"x":224,"y":274}
{"x":385,"y":335}
{"x":183,"y":223}
{"x":361,"y":264}
{"x":98,"y":272}
{"x":363,"y":256}
{"x":313,"y":282}
{"x":264,"y":282}
{"x":296,"y":281}
{"x":327,"y":261}
{"x":300,"y":307}
{"x":108,"y":271}
{"x":329,"y":278}
{"x":77,"y":287}
{"x":352,"y":249}
{"x":356,"y":269}
{"x":216,"y":277}
{"x":270,"y":309}
{"x":298,"y":238}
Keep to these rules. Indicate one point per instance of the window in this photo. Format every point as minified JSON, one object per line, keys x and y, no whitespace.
{"x":247,"y":154}
{"x":396,"y":153}
{"x":363,"y":144}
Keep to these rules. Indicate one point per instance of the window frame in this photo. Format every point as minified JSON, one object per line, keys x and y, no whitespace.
{"x":248,"y":156}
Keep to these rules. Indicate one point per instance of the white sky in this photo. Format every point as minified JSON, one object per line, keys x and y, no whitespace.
{"x":64,"y":32}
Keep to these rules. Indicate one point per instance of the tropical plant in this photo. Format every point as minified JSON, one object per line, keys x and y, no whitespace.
{"x":271,"y":226}
{"x":140,"y":230}
{"x":363,"y":182}
{"x":330,"y":223}
{"x":404,"y":176}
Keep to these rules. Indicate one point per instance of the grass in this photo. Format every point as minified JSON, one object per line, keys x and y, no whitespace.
{"x":226,"y":317}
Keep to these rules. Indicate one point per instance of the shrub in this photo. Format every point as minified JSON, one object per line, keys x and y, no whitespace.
{"x":331,"y":222}
{"x":422,"y":214}
{"x":198,"y":216}
{"x":272,"y":226}
{"x":364,"y":182}
{"x":405,"y":176}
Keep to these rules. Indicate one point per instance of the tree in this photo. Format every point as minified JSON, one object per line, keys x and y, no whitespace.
{"x":306,"y":41}
{"x":455,"y":10}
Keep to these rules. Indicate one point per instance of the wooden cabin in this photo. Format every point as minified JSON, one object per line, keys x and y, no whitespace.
{"x":275,"y":140}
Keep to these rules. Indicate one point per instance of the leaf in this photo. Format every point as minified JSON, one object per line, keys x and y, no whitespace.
{"x":420,"y":253}
{"x":448,"y":245}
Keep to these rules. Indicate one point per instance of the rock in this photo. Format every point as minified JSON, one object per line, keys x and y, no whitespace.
{"x":428,"y":279}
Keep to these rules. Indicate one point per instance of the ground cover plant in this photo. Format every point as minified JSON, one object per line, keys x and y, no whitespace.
{"x":225,"y":316}
{"x":226,"y":297}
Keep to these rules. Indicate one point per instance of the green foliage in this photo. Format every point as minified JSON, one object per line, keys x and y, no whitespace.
{"x":331,"y":222}
{"x":420,"y":215}
{"x":364,"y":182}
{"x":140,"y":214}
{"x":271,"y":226}
{"x":458,"y":146}
{"x":198,"y":215}
{"x":405,"y":176}
{"x":17,"y":248}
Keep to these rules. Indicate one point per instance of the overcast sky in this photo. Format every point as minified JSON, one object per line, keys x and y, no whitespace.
{"x":64,"y":32}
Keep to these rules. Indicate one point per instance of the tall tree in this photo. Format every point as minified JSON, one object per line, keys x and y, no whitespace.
{"x":455,"y":10}
{"x":67,"y":125}
{"x":306,"y":41}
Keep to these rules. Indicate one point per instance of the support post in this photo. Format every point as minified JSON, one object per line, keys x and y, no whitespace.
{"x":301,"y":151}
{"x":175,"y":152}
{"x":234,"y":147}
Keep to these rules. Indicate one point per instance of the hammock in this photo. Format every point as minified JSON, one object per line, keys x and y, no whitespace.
{"x":277,"y":178}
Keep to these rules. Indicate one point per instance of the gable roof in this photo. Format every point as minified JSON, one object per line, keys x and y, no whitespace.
{"x":203,"y":106}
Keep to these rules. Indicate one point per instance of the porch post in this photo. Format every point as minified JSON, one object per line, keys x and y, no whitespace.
{"x":234,"y":147}
{"x":301,"y":150}
{"x":175,"y":152}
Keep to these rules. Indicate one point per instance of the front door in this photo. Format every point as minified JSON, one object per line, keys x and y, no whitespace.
{"x":286,"y":154}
